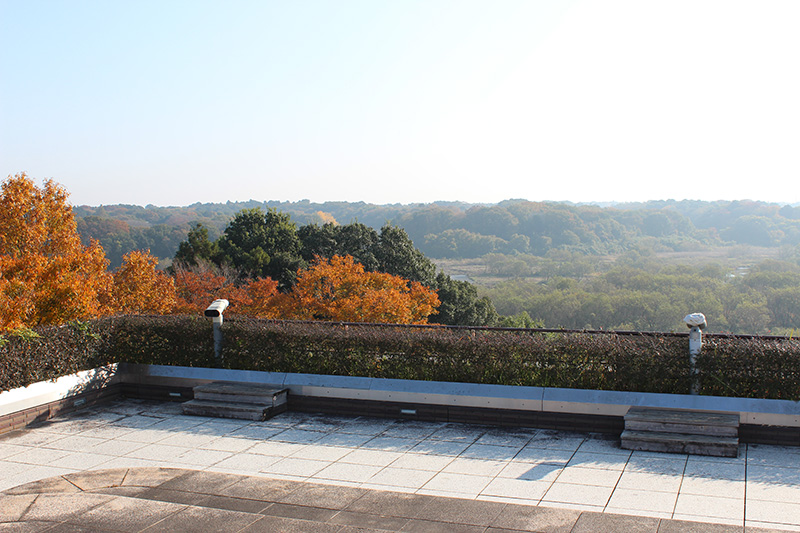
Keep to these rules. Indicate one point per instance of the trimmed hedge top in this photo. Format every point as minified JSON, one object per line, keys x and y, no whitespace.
{"x":743,"y":367}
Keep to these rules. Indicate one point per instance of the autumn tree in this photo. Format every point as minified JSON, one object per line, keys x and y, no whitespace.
{"x":340,"y":289}
{"x":139,"y":288}
{"x":46,"y":275}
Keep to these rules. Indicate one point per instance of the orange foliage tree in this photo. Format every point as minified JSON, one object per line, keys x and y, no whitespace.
{"x":46,"y":275}
{"x":339,"y":289}
{"x":139,"y":288}
{"x":196,"y":287}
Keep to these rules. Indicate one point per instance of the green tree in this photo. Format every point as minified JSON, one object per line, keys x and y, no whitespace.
{"x":263,"y":245}
{"x":196,"y":247}
{"x":461,"y":304}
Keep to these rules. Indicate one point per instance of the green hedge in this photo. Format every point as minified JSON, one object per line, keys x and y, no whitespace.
{"x":758,"y":367}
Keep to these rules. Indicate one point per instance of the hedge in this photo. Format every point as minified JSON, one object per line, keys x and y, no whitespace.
{"x":744,"y":367}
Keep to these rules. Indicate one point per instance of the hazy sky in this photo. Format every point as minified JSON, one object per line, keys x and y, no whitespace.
{"x":174,"y":102}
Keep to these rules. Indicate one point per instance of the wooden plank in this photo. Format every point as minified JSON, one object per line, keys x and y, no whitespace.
{"x":678,"y":416}
{"x":677,"y":443}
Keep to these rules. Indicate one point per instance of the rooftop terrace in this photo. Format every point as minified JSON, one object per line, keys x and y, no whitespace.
{"x":322,"y":473}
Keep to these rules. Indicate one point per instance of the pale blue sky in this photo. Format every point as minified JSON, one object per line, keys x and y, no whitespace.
{"x":174,"y":102}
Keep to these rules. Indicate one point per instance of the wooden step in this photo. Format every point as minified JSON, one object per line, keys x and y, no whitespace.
{"x":225,"y":391}
{"x":239,"y":410}
{"x":682,"y":422}
{"x":655,"y":441}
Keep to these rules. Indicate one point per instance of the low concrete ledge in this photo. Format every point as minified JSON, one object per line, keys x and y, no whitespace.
{"x":751,"y":411}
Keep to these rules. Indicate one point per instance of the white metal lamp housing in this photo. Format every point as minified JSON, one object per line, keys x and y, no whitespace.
{"x":215,"y":310}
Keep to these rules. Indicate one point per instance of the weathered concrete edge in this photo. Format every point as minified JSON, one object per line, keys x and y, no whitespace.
{"x":42,"y":392}
{"x":578,"y":401}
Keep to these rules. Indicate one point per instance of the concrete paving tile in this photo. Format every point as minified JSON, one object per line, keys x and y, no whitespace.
{"x":461,"y":511}
{"x":775,"y":492}
{"x":9,"y":450}
{"x":131,"y":462}
{"x":557,"y":440}
{"x":202,"y":458}
{"x":199,"y":519}
{"x":158,"y":452}
{"x":710,"y":506}
{"x":598,"y":460}
{"x":348,"y":472}
{"x":589,"y":476}
{"x":84,"y":461}
{"x":296,"y":467}
{"x":247,"y":463}
{"x":506,"y":499}
{"x":715,"y":470}
{"x":415,"y":525}
{"x":754,"y":526}
{"x":369,"y":521}
{"x":516,"y":488}
{"x":649,"y":481}
{"x":370,"y":457}
{"x":366,"y":426}
{"x":271,"y":524}
{"x":13,"y":506}
{"x":137,"y":421}
{"x":279,"y":449}
{"x":717,"y":521}
{"x":390,"y":444}
{"x":389,"y":504}
{"x":419,"y":461}
{"x":457,"y":483}
{"x":663,"y":464}
{"x":402,"y":477}
{"x":322,"y":453}
{"x":29,"y":437}
{"x":174,"y":423}
{"x":459,"y":433}
{"x":38,"y":456}
{"x":116,"y":447}
{"x":601,"y":445}
{"x":440,"y":447}
{"x":127,"y":514}
{"x":60,"y":507}
{"x":531,"y":454}
{"x":475,"y":467}
{"x":55,"y":484}
{"x":723,"y":488}
{"x":187,"y":440}
{"x":172,"y":496}
{"x":345,"y":440}
{"x":387,"y":488}
{"x":487,"y":451}
{"x":297,"y":436}
{"x":258,"y":433}
{"x":32,"y":473}
{"x":259,"y":488}
{"x":774,"y":512}
{"x":68,"y":426}
{"x":690,"y":526}
{"x":527,"y":518}
{"x":410,"y":429}
{"x":638,"y":512}
{"x":531,"y":471}
{"x":317,"y":495}
{"x":149,"y":476}
{"x":92,"y":480}
{"x":107,"y":431}
{"x":74,"y":443}
{"x":9,"y":469}
{"x":765,"y":455}
{"x":578,"y":494}
{"x":305,"y":512}
{"x":233,"y":504}
{"x":507,"y":437}
{"x":773,"y":475}
{"x":200,"y":482}
{"x":228,"y":444}
{"x":642,"y":500}
{"x":143,"y":435}
{"x":611,"y":523}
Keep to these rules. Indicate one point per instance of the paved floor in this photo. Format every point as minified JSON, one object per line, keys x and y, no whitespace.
{"x":381,"y":474}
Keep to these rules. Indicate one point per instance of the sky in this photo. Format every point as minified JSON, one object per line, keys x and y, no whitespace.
{"x":402,"y":101}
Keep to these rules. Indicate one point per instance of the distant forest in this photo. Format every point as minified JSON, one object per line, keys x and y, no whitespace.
{"x":627,"y":266}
